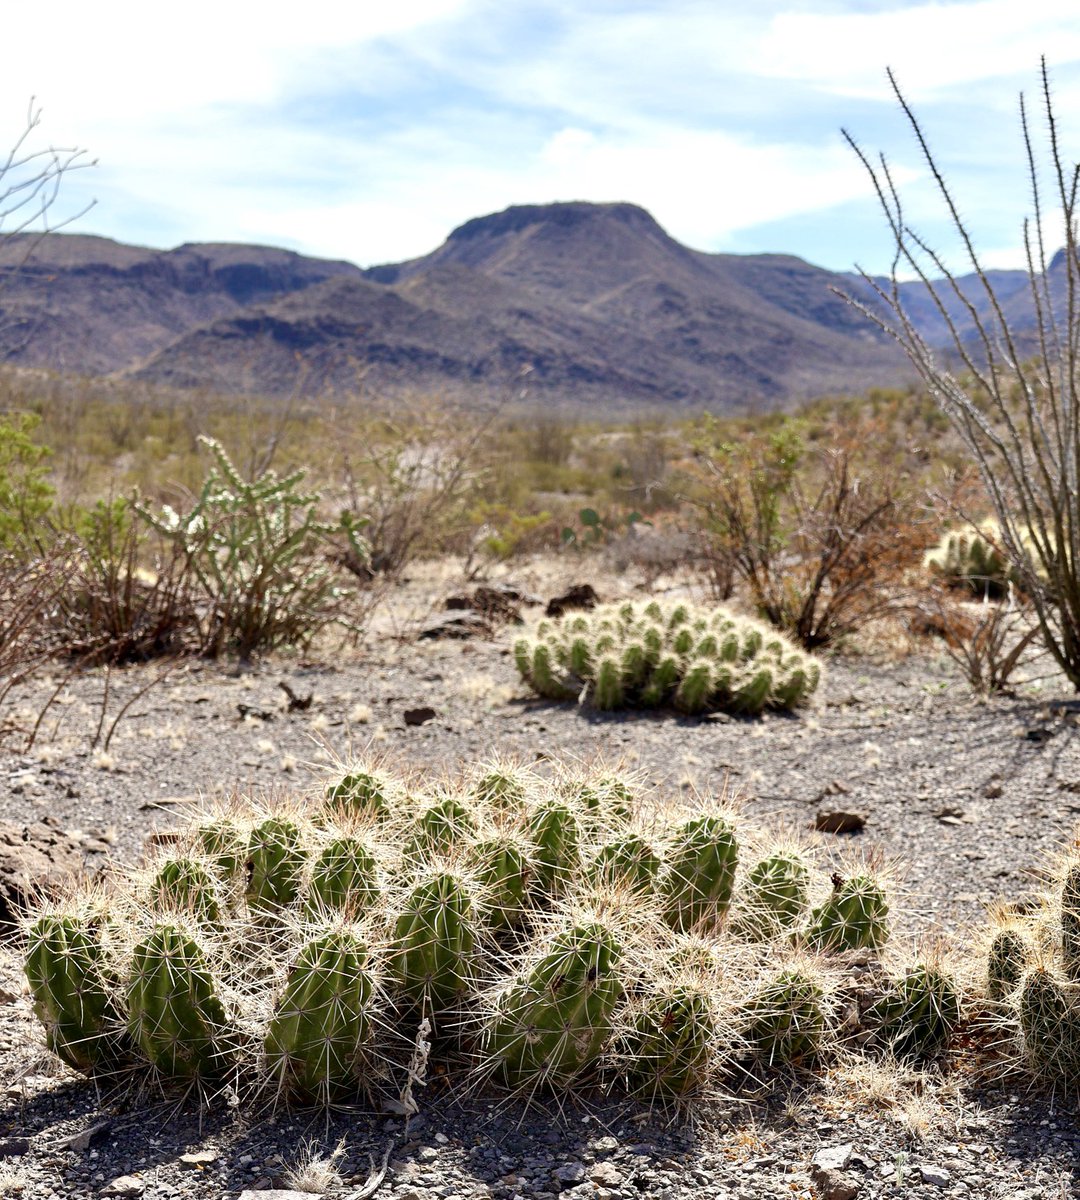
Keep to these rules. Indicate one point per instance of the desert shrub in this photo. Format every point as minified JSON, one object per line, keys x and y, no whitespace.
{"x":257,"y":554}
{"x":655,"y":654}
{"x":549,"y":935}
{"x":130,"y":597}
{"x":26,"y":495}
{"x":821,"y":536}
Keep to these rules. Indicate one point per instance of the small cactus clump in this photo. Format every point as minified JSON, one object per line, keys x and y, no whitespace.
{"x":853,"y":917}
{"x":972,"y":558}
{"x":1032,"y":976}
{"x":650,"y":655}
{"x":786,"y":1021}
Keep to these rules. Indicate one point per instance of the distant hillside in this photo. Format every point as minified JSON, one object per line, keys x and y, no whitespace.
{"x":603,"y":309}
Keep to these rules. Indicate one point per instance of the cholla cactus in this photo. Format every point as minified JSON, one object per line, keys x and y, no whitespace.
{"x":255,"y":549}
{"x":695,"y":659}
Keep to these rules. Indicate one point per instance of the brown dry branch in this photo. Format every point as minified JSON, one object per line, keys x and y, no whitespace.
{"x":1016,"y":407}
{"x":989,"y":640}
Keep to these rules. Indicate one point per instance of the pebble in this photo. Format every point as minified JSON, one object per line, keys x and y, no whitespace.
{"x":124,"y":1185}
{"x":936,"y":1176}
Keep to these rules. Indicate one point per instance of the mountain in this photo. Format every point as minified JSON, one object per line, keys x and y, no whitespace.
{"x":595,"y":302}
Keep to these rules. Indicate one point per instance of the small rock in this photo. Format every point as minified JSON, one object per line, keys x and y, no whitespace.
{"x":419,"y":716}
{"x":12,"y":1147}
{"x":835,"y":1185}
{"x":274,"y":1194}
{"x":124,"y":1185}
{"x":935,"y":1176}
{"x":606,"y":1173}
{"x":839,"y":822}
{"x":457,"y":625}
{"x":199,"y":1158}
{"x":833,"y":1158}
{"x":569,"y":1174}
{"x":605,"y":1145}
{"x":581,"y":595}
{"x":427,"y":1154}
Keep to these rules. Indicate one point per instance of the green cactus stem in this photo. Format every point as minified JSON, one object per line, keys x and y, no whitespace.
{"x":276,"y":860}
{"x":344,"y":879}
{"x":552,"y":1024}
{"x":434,"y":948}
{"x":317,"y":1043}
{"x":69,"y":987}
{"x":852,"y":918}
{"x":174,"y":1013}
{"x":700,"y":877}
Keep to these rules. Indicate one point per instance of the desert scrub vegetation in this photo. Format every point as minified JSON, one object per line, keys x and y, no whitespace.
{"x":665,"y":654}
{"x":1016,"y":405}
{"x":549,"y":933}
{"x":821,"y":526}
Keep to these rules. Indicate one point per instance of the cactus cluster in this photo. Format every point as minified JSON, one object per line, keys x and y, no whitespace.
{"x":972,"y":558}
{"x":661,"y":653}
{"x":1032,"y":978}
{"x":553,"y":931}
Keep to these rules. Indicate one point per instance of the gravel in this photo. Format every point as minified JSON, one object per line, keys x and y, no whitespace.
{"x":968,"y":797}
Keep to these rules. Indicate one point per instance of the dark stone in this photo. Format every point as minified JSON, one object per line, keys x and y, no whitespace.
{"x":459,"y":625}
{"x":419,"y":716}
{"x":581,"y":595}
{"x":14,"y":1147}
{"x":839,"y":822}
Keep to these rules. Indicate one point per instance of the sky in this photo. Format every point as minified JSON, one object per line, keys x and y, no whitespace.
{"x":368,"y":131}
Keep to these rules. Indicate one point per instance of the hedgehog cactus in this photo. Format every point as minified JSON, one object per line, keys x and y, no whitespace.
{"x":774,"y":896}
{"x":700,"y":876}
{"x":627,"y":861}
{"x":317,"y":1040}
{"x":276,"y":860}
{"x":918,"y":1015}
{"x":669,"y":1050}
{"x":185,"y":885}
{"x":551,"y":1025}
{"x":503,"y":788}
{"x":503,"y":871}
{"x":70,"y":991}
{"x":852,"y":918}
{"x":785,"y":1022}
{"x":970,"y":558}
{"x":175,"y":1015}
{"x":344,"y":879}
{"x":444,"y":825}
{"x":359,"y":792}
{"x":222,"y":844}
{"x":1070,"y":922}
{"x":434,"y":945}
{"x":1049,"y":1012}
{"x":697,"y":659}
{"x":552,"y":827}
{"x":1006,"y":961}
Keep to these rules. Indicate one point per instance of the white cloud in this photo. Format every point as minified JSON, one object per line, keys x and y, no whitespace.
{"x":933,"y":47}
